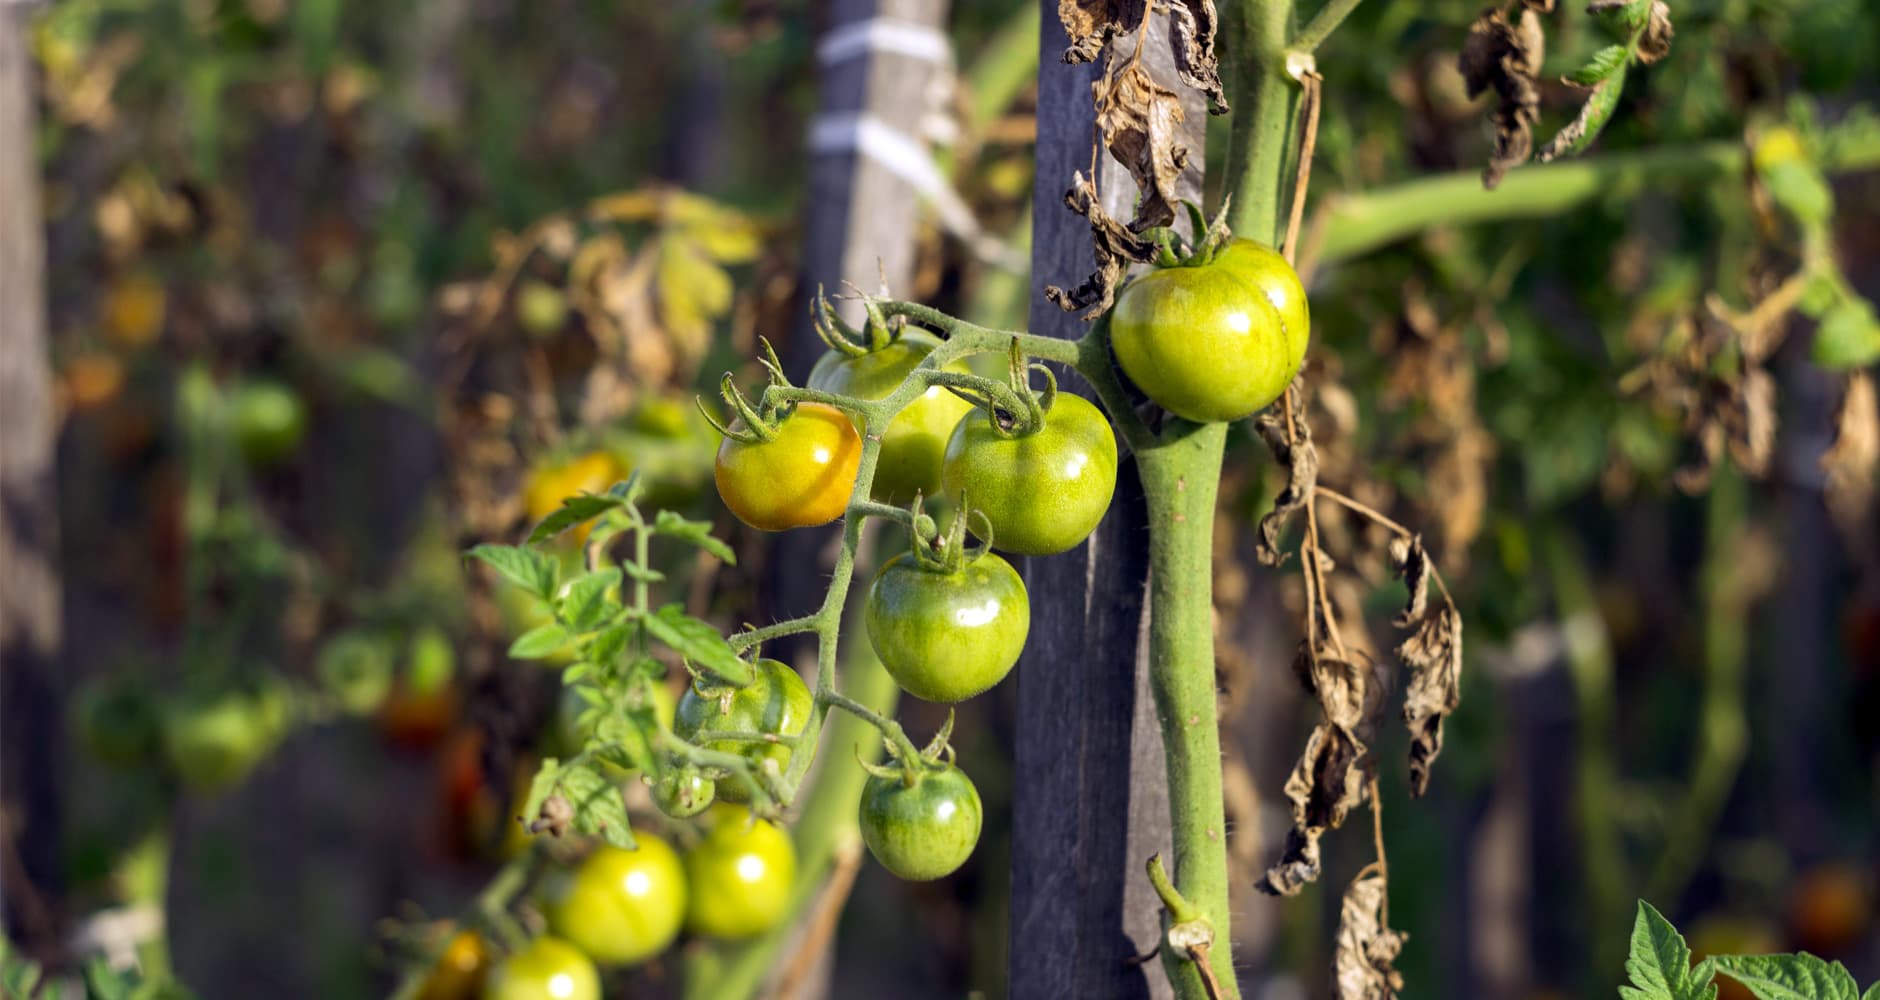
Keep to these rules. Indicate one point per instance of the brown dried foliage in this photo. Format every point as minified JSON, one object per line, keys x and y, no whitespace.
{"x":1366,"y":946}
{"x":1506,"y":57}
{"x":1115,"y":248}
{"x":1140,"y":120}
{"x":1852,"y":462}
{"x":1290,"y":441}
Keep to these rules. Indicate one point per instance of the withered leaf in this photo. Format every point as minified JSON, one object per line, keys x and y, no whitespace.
{"x":1413,"y":565}
{"x":1115,"y":248}
{"x":1506,"y":58}
{"x":1327,"y":782}
{"x":1579,"y":133}
{"x":1655,"y":43}
{"x":1192,"y":24}
{"x":1434,"y":655}
{"x":1091,"y":24}
{"x":1293,"y":451}
{"x":1365,"y":949}
{"x":1141,"y":121}
{"x":1852,"y":461}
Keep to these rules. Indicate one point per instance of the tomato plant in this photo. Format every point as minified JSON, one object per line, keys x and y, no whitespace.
{"x":1041,"y":490}
{"x":619,"y":906}
{"x":739,"y":875}
{"x":547,"y":968}
{"x":947,"y":626}
{"x":1203,"y":341}
{"x":916,"y":439}
{"x":795,"y":475}
{"x":549,"y":484}
{"x":921,"y":819}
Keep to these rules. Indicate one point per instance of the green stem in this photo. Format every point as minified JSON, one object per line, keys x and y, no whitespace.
{"x":144,"y":879}
{"x":1180,"y":476}
{"x":1263,"y":95}
{"x":1322,"y":25}
{"x":1359,"y":223}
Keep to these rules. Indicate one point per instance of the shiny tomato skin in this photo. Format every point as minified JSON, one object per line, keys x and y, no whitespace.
{"x":1200,"y":341}
{"x":916,"y":439}
{"x":923,"y":831}
{"x":546,"y":969}
{"x":943,"y":636}
{"x":800,"y":478}
{"x":460,"y":971}
{"x":740,"y":875}
{"x":621,"y":907}
{"x":776,"y":701}
{"x":1044,"y":492}
{"x":551,"y":483}
{"x":1268,"y":271}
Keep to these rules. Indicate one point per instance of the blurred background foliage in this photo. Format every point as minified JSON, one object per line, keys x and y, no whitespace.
{"x":339,"y":289}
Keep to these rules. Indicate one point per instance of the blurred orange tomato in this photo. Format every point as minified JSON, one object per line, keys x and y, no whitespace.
{"x":549,"y":485}
{"x":1830,"y":907}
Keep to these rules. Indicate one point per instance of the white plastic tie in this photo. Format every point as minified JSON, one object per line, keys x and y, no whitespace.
{"x":881,"y":34}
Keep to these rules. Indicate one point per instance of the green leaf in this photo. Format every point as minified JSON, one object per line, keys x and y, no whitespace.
{"x":599,"y":808}
{"x":1790,"y":977}
{"x":529,"y":569}
{"x":1601,"y":66}
{"x":699,"y":533}
{"x":1631,"y":14}
{"x":1873,"y":993}
{"x":539,"y":643}
{"x":1582,"y":130}
{"x":697,"y":641}
{"x":642,"y":573}
{"x":609,"y":643}
{"x":1660,"y":962}
{"x":574,"y":510}
{"x":585,"y":602}
{"x":1848,"y":337}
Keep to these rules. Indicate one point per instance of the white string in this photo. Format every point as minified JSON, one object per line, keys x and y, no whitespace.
{"x":880,"y":34}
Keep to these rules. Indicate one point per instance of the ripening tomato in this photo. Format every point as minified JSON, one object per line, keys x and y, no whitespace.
{"x":776,"y":701}
{"x":1830,"y":908}
{"x":548,"y":485}
{"x":621,"y":907}
{"x":1044,"y":492}
{"x":1267,"y":269}
{"x":547,"y":969}
{"x":460,"y":971}
{"x":923,"y":823}
{"x":739,"y":875}
{"x":947,"y":636}
{"x":1201,"y":342}
{"x":133,"y":309}
{"x":801,"y":477}
{"x":916,"y":439}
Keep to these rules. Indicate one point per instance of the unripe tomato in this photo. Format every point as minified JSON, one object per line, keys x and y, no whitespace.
{"x":683,"y":792}
{"x":1267,"y":269}
{"x":548,"y":969}
{"x":541,"y":308}
{"x":739,"y":875}
{"x":119,"y":723}
{"x":922,"y":824}
{"x":776,"y":701}
{"x":621,"y":907}
{"x":801,"y":477}
{"x":916,"y":439}
{"x":947,"y":636}
{"x":1044,"y":492}
{"x":269,"y":418}
{"x":1201,"y":342}
{"x":215,"y":739}
{"x":356,"y":668}
{"x":460,"y":971}
{"x":548,"y":485}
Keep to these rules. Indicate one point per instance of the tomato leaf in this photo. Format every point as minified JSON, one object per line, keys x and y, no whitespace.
{"x":697,"y":641}
{"x":594,"y":803}
{"x":539,"y":643}
{"x":1601,"y":66}
{"x":1848,"y":337}
{"x":698,"y":533}
{"x":1873,"y":993}
{"x":642,"y":573}
{"x":1660,"y":963}
{"x":609,"y":643}
{"x":574,"y":510}
{"x":1631,"y":14}
{"x":1582,"y":130}
{"x":1790,"y":977}
{"x":533,"y":571}
{"x":586,"y":601}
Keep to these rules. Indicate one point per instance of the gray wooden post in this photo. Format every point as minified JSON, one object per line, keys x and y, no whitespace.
{"x":1091,"y":800}
{"x":31,"y":744}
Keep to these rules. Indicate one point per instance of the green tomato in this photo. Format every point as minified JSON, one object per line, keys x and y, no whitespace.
{"x":922,"y":824}
{"x":947,"y":636}
{"x":1044,"y":492}
{"x":621,"y":907}
{"x":916,"y":439}
{"x":269,"y":418}
{"x":356,"y":668}
{"x":683,"y":792}
{"x":1202,"y":342}
{"x":547,"y":969}
{"x":214,"y":739}
{"x":1262,"y":265}
{"x":740,"y":875}
{"x":119,"y":722}
{"x":541,"y":308}
{"x":776,"y":701}
{"x":574,"y":733}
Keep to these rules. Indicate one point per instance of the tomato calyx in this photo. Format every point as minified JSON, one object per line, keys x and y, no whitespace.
{"x":908,"y":768}
{"x":754,"y":424}
{"x":845,"y":339}
{"x":946,"y":552}
{"x":1175,"y":250}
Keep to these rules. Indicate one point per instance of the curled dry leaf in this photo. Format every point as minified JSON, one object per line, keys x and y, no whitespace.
{"x":1434,"y":654}
{"x":1361,"y":963}
{"x":1113,"y":244}
{"x":1412,"y":563}
{"x":1655,"y":43}
{"x":1192,"y":24}
{"x":1141,"y":123}
{"x":1292,"y":450}
{"x":1506,"y":58}
{"x":1091,"y":24}
{"x":1854,"y":459}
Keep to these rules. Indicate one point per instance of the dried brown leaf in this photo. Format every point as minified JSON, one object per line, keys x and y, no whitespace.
{"x":1365,"y":947}
{"x":1192,"y":24}
{"x":1851,"y":463}
{"x":1091,"y":24}
{"x":1412,"y":563}
{"x":1292,"y":450}
{"x":1141,"y":123}
{"x":1655,"y":43}
{"x":1327,"y":782}
{"x":1115,"y":248}
{"x":1506,"y":58}
{"x":1434,"y":654}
